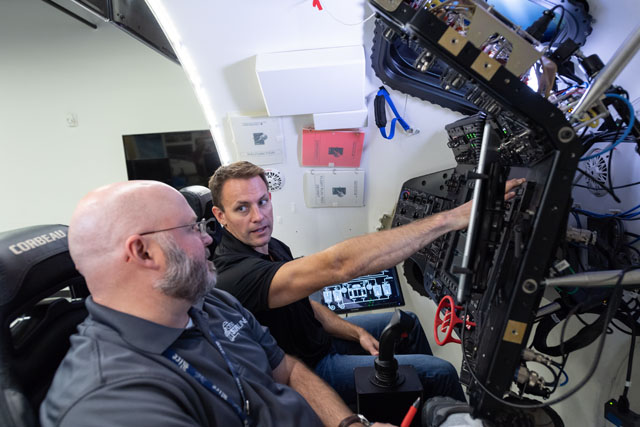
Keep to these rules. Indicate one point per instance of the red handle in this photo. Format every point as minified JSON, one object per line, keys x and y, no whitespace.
{"x":448,"y":321}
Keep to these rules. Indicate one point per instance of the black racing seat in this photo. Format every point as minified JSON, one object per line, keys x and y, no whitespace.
{"x":200,"y":199}
{"x":41,"y":303}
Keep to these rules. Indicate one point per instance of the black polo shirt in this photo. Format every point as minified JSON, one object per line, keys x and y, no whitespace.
{"x":247,"y":274}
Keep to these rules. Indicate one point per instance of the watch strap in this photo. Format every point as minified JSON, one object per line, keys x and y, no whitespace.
{"x":355,"y":418}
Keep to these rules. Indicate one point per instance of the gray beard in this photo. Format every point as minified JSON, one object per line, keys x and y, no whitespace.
{"x":186,"y":278}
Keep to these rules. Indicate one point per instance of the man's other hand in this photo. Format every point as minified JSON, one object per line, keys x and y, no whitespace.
{"x":368,"y":342}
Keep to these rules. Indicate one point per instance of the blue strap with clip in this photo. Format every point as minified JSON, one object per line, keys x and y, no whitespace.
{"x":381,"y":117}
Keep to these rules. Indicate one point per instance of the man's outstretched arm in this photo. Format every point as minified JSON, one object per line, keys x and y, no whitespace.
{"x":365,"y":254}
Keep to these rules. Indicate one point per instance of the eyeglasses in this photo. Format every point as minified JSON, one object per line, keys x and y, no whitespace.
{"x":201,"y":226}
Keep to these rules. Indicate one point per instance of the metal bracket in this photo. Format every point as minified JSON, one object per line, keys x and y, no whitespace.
{"x":453,"y":41}
{"x":514,"y":332}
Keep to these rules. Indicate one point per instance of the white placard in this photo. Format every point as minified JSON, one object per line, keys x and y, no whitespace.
{"x":334,"y":188}
{"x":258,"y":139}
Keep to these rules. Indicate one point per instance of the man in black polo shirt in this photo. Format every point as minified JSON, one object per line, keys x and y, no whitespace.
{"x":260,"y":271}
{"x":154,"y":350}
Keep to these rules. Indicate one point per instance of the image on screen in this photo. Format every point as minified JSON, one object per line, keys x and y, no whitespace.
{"x":368,"y":292}
{"x":179,"y":159}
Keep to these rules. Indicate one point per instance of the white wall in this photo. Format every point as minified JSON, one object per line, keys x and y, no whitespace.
{"x":51,"y":65}
{"x":222,"y":39}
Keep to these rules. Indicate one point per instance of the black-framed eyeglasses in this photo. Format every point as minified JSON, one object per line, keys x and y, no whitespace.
{"x":201,"y":226}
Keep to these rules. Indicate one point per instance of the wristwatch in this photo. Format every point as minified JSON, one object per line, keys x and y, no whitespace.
{"x":355,"y":418}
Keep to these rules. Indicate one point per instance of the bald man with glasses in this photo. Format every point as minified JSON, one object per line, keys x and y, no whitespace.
{"x":161,"y":345}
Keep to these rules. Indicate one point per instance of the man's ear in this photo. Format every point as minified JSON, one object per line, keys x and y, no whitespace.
{"x":142,"y":251}
{"x":219,"y":214}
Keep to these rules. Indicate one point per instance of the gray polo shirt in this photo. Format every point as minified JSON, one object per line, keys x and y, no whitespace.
{"x":115,"y":373}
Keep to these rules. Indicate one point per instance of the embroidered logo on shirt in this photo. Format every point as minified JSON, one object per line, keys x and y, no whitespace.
{"x":231,"y":330}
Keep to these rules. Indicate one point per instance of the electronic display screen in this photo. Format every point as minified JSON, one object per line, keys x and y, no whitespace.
{"x":368,"y":292}
{"x":179,"y":159}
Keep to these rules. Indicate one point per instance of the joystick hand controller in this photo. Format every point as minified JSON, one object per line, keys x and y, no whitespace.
{"x":386,"y":366}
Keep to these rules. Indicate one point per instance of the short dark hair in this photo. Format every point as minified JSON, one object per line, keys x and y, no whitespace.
{"x":237,"y":170}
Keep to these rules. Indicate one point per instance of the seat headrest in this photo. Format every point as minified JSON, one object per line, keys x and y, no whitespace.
{"x":33,"y":261}
{"x":200,"y":200}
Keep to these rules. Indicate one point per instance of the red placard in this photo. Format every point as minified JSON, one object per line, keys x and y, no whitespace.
{"x":332,"y":148}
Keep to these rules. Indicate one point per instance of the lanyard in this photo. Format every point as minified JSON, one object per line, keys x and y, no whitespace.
{"x":381,"y":118}
{"x":241,"y":412}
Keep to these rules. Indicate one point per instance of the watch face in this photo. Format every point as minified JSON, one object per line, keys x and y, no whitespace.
{"x":364,"y":421}
{"x":275,"y":179}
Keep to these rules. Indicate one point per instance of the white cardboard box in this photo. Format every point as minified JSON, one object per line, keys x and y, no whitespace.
{"x":312,"y":81}
{"x":341,"y":120}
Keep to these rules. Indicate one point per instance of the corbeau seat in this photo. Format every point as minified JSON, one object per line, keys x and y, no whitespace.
{"x":41,"y":303}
